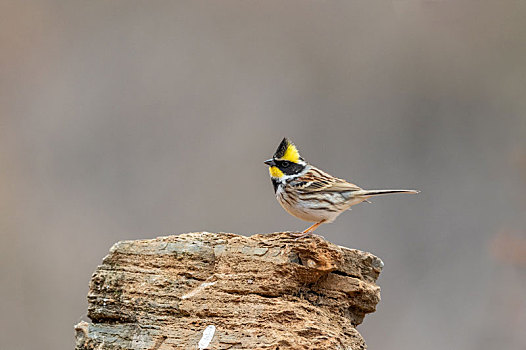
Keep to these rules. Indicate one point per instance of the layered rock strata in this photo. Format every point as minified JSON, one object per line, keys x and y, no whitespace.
{"x":225,"y":291}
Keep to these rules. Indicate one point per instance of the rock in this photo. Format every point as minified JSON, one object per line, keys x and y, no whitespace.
{"x":267,"y":291}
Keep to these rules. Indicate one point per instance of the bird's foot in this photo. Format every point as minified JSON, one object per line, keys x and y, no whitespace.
{"x":303,"y":235}
{"x":307,"y":232}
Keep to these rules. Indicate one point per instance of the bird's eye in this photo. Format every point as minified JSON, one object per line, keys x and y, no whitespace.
{"x":285,"y":164}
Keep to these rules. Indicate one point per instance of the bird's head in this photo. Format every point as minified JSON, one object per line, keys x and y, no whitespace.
{"x":286,"y":161}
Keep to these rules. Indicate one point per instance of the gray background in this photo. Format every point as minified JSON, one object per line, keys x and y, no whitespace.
{"x":127,"y":119}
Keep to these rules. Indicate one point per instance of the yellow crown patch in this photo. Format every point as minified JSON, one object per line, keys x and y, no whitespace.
{"x":291,"y":154}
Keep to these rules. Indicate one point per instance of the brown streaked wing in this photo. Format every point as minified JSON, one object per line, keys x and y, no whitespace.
{"x":316,"y":180}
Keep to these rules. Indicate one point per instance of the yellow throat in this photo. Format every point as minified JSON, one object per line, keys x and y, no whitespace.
{"x":275,"y":172}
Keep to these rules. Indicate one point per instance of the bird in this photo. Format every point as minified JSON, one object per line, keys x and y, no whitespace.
{"x":310,"y":193}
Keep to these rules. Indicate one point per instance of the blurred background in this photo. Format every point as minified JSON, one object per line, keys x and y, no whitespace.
{"x":131,"y":119}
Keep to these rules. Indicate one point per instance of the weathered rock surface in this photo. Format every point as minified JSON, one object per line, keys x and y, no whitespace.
{"x":261,"y":292}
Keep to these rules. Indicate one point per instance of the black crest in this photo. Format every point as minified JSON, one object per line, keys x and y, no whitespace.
{"x":282,"y":148}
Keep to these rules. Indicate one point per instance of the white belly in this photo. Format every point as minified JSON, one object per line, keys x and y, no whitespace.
{"x":312,"y":211}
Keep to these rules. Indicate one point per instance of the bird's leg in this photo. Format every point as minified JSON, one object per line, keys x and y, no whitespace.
{"x":308,"y":231}
{"x":313,"y":227}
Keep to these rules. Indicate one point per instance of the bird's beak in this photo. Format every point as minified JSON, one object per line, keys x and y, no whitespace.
{"x":270,"y":162}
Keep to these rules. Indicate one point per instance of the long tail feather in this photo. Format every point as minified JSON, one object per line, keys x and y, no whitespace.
{"x":370,"y":193}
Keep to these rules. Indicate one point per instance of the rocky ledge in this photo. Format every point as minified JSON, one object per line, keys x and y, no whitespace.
{"x":224,"y":291}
